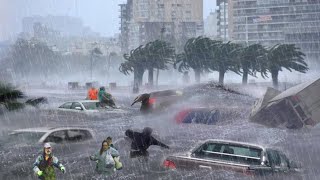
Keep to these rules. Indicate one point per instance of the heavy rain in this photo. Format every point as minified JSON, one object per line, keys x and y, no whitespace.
{"x":159,"y":89}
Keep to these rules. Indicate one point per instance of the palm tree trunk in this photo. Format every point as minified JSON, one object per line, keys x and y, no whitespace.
{"x":135,"y":77}
{"x":140,"y":77}
{"x":150,"y":76}
{"x":221,"y":77}
{"x":245,"y":77}
{"x":157,"y":81}
{"x":274,"y":75}
{"x":197,"y":75}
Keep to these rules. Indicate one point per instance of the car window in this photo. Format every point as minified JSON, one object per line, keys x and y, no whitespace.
{"x":277,"y":158}
{"x":273,"y":157}
{"x":206,"y":149}
{"x":91,"y":105}
{"x":25,"y":137}
{"x":78,"y":135}
{"x":228,"y":152}
{"x":202,"y":116}
{"x":75,"y":104}
{"x":56,"y":137}
{"x":66,"y":105}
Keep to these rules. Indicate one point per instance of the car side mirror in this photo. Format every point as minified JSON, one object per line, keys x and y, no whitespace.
{"x":78,"y":108}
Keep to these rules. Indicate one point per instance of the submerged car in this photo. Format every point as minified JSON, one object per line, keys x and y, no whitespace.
{"x":86,"y":106}
{"x":241,"y":157}
{"x":50,"y":134}
{"x":157,"y":100}
{"x":198,"y":115}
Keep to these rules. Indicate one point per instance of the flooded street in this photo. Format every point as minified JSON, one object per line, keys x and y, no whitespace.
{"x":17,"y":159}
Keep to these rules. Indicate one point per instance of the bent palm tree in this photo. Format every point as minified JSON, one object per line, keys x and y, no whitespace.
{"x":9,"y":97}
{"x":196,"y":55}
{"x":286,"y":56}
{"x":158,"y":55}
{"x":250,"y":60}
{"x":134,"y":63}
{"x":224,"y":58}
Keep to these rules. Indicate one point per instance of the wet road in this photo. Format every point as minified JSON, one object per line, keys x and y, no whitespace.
{"x":16,"y":160}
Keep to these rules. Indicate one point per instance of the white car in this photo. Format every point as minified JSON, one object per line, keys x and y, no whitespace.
{"x":83,"y":106}
{"x":53,"y":135}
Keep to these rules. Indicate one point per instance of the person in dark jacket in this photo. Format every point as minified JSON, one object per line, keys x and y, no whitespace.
{"x":142,"y":141}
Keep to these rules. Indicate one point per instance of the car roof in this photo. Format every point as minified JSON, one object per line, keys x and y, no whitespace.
{"x":82,"y":101}
{"x":165,"y":92}
{"x":48,"y":129}
{"x":88,"y":101}
{"x":234,"y":142}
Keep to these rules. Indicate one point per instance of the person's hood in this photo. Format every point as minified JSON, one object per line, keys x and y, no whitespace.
{"x":129,"y":133}
{"x":147,"y":131}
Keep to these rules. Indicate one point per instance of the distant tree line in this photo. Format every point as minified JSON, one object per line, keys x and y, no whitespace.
{"x":205,"y":55}
{"x":35,"y":59}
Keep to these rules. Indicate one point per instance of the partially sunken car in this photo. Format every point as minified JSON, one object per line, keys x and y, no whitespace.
{"x":198,"y":115}
{"x":86,"y":106}
{"x":51,"y":134}
{"x":241,"y":157}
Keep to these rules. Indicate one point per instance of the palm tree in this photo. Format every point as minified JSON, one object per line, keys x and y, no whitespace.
{"x":224,"y":58}
{"x":250,"y":58}
{"x":9,"y":97}
{"x":196,"y":55}
{"x":134,"y":63}
{"x":158,"y":55}
{"x":286,"y":56}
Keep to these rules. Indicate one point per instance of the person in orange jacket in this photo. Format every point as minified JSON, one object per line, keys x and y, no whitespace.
{"x":93,"y":94}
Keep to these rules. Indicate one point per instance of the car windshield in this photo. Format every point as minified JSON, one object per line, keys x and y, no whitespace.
{"x":25,"y":137}
{"x":91,"y":105}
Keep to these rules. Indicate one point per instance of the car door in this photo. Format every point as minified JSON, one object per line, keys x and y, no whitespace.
{"x":207,"y":157}
{"x":278,"y":161}
{"x":78,"y":139}
{"x":58,"y":140}
{"x":225,"y":156}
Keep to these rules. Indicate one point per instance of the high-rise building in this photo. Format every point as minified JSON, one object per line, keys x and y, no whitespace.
{"x":171,"y":20}
{"x":225,"y":19}
{"x":125,"y":16}
{"x":270,"y":22}
{"x":66,"y":25}
{"x":211,"y":25}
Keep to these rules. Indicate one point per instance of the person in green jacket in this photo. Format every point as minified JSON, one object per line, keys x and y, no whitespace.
{"x":118,"y":164}
{"x":105,"y":98}
{"x":104,"y":158}
{"x":43,"y":167}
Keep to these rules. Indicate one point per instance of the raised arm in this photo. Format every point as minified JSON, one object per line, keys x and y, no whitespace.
{"x":94,"y":157}
{"x":158,"y":143}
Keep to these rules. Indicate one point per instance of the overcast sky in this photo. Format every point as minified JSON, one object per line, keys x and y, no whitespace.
{"x":101,"y":15}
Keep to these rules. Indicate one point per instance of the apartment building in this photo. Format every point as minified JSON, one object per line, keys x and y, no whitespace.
{"x":279,"y":21}
{"x":172,"y":20}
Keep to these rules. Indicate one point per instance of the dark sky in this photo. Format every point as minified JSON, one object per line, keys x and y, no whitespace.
{"x":101,"y":15}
